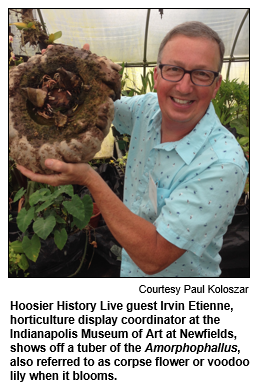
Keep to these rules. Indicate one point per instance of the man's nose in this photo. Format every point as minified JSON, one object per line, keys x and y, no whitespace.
{"x":185,"y":85}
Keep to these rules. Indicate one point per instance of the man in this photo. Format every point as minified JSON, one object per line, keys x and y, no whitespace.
{"x":185,"y":171}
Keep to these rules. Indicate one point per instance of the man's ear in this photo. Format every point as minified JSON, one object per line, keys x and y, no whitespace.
{"x":217,"y":85}
{"x":155,"y":77}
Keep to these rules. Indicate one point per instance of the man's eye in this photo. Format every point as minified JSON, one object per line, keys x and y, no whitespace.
{"x":203,"y":74}
{"x":173,"y":69}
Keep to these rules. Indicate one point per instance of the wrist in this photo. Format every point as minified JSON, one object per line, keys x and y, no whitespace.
{"x":90,"y":177}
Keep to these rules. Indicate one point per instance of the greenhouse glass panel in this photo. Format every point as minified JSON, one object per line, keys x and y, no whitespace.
{"x":224,"y":21}
{"x":242,"y":45}
{"x":117,"y":34}
{"x":240,"y":71}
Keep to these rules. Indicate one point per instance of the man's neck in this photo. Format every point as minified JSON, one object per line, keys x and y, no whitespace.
{"x":173,"y":134}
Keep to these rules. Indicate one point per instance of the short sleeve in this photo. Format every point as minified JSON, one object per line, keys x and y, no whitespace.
{"x":201,"y":208}
{"x":124,"y":114}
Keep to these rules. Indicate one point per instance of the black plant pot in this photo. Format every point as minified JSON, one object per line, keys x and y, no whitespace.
{"x":55,"y":263}
{"x":235,"y":252}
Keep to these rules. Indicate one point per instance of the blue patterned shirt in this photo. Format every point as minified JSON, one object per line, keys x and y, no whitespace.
{"x":199,"y":178}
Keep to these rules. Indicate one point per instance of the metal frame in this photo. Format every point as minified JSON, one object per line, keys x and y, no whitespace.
{"x":144,"y":64}
{"x":232,"y":58}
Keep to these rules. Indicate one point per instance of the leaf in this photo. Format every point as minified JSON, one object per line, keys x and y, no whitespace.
{"x":57,"y":35}
{"x":121,"y":144}
{"x":43,"y":227}
{"x":19,"y":194}
{"x":23,"y":263}
{"x":88,"y":207}
{"x":116,"y":250}
{"x":17,"y":246}
{"x":39,"y":195}
{"x":59,"y":219}
{"x":31,"y":25}
{"x":19,"y":25}
{"x":56,"y":216}
{"x":49,"y":200}
{"x":52,"y":37}
{"x":30,"y":189}
{"x":68,"y":189}
{"x":243,"y":141}
{"x":240,"y":125}
{"x":24,"y":218}
{"x":31,"y":247}
{"x":75,"y":207}
{"x":60,"y":238}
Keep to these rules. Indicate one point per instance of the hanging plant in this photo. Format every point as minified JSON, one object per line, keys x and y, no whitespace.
{"x":32,"y":31}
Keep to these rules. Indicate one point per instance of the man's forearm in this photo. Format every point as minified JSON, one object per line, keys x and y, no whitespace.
{"x":136,"y":235}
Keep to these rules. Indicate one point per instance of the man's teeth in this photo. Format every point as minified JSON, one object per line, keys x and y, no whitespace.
{"x":181,"y":101}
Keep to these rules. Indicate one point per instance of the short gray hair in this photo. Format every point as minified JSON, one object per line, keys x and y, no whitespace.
{"x":193,"y":29}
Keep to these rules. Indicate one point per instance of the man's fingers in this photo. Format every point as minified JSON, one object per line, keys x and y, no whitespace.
{"x":52,"y":179}
{"x":43,"y":50}
{"x":42,"y":178}
{"x":66,"y":173}
{"x":58,"y":166}
{"x":86,"y":46}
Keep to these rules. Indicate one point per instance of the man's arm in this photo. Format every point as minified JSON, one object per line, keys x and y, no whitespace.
{"x":146,"y":247}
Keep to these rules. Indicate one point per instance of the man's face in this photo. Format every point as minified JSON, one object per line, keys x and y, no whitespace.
{"x":182,"y":103}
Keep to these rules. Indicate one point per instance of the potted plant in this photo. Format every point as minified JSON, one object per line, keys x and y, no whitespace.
{"x":232,"y":107}
{"x":232,"y":102}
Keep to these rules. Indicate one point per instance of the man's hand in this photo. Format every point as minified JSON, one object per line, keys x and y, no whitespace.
{"x":85,"y":46}
{"x":68,"y":173}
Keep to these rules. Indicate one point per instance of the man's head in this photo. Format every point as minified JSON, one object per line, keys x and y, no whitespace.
{"x":184,"y":101}
{"x":194,"y":29}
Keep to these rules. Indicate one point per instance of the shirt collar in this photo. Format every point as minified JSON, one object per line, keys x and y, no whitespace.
{"x":190,"y":145}
{"x":156,"y":119}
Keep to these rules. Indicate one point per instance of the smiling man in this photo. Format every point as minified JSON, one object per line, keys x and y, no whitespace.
{"x":185,"y":172}
{"x":184,"y":97}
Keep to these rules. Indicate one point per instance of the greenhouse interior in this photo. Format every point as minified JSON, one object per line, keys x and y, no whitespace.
{"x":69,"y":72}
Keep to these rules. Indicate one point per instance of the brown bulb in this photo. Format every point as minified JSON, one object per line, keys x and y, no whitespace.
{"x":36,"y":96}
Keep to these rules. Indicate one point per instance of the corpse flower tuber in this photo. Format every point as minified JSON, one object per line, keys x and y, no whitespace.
{"x":61,"y":106}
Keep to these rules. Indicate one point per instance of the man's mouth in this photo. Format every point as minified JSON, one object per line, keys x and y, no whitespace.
{"x":182,"y":101}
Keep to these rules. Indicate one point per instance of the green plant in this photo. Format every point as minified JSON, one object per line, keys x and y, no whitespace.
{"x":123,"y":142}
{"x":35,"y":28}
{"x":55,"y":211}
{"x":224,"y":113}
{"x":243,"y":130}
{"x":232,"y":101}
{"x":120,"y":162}
{"x":232,"y":107}
{"x":15,"y":177}
{"x":17,"y":258}
{"x":52,"y":37}
{"x":147,"y":84}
